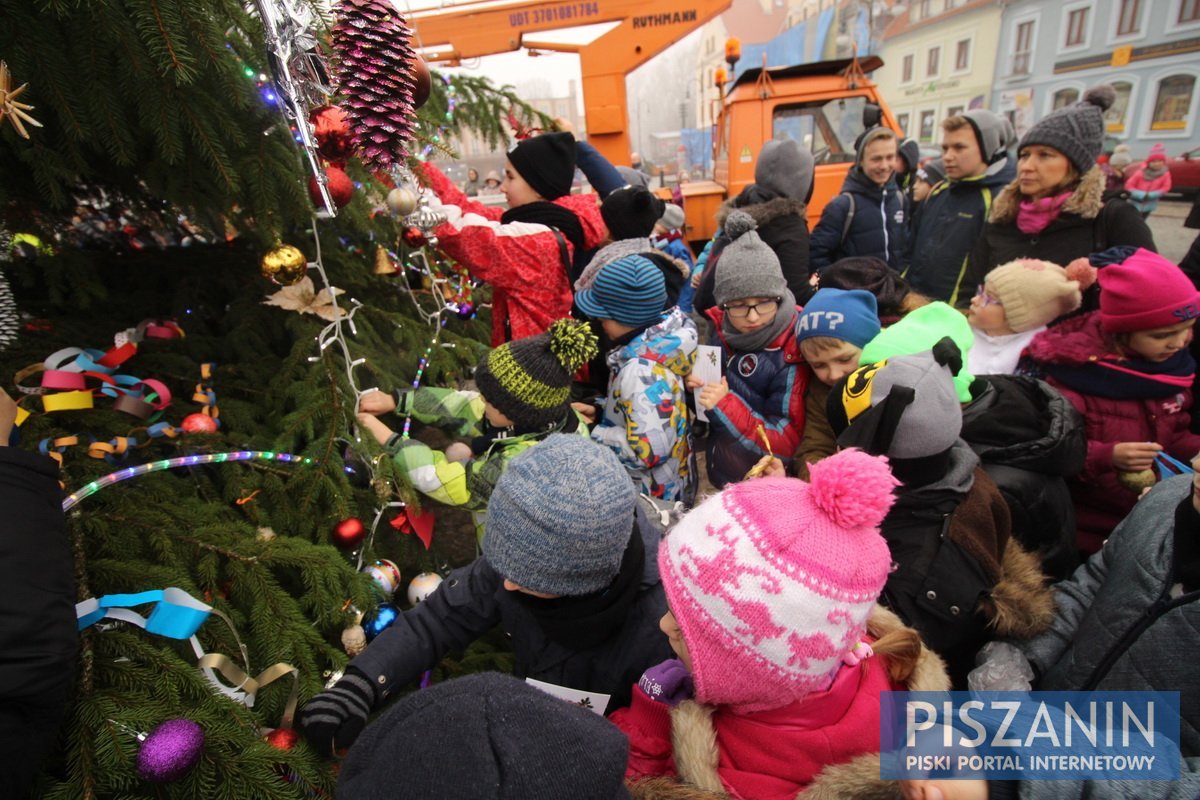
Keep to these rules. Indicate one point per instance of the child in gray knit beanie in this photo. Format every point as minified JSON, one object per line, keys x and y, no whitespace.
{"x":758,"y":407}
{"x":568,"y":570}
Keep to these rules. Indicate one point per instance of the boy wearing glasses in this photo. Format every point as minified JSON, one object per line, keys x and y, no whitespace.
{"x":758,"y":407}
{"x":1016,"y":302}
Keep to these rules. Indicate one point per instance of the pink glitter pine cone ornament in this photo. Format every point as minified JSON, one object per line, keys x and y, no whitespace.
{"x":374,"y":63}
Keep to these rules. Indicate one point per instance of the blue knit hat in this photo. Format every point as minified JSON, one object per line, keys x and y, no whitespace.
{"x":851,"y":315}
{"x":560,"y":517}
{"x":630,"y":290}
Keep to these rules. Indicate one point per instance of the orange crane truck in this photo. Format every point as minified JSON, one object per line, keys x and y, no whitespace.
{"x":821,"y":105}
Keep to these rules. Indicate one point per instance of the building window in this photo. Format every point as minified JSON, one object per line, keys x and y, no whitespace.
{"x":962,"y":56}
{"x":934,"y":62}
{"x":1064,"y":97}
{"x":1114,"y":118}
{"x":922,"y":9}
{"x":906,"y":69}
{"x":926,"y":134}
{"x":1023,"y":49}
{"x":1077,"y":27}
{"x":1189,"y":11}
{"x":1173,"y":103}
{"x":1129,"y":13}
{"x":902,"y":121}
{"x":954,"y":111}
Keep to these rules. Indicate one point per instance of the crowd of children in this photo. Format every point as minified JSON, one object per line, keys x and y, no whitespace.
{"x":897,"y":478}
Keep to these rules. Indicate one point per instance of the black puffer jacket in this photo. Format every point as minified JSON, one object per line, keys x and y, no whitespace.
{"x":782,"y":224}
{"x":1087,"y":224}
{"x":38,"y":634}
{"x":472,"y":600}
{"x":1030,"y":440}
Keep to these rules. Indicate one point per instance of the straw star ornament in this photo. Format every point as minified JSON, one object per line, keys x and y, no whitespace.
{"x":9,"y":107}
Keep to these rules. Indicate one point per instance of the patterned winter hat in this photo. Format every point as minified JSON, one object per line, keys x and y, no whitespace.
{"x":529,"y":380}
{"x":630,"y":290}
{"x":905,"y":407}
{"x":1144,"y":292}
{"x":771,"y":581}
{"x":1033,"y":292}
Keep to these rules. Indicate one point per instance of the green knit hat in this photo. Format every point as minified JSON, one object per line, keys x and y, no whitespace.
{"x":919,"y":331}
{"x":529,"y":380}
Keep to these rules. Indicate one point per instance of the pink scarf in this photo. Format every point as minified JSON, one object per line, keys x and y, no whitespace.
{"x":1035,"y":215}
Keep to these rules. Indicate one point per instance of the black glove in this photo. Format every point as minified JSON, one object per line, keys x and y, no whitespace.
{"x":333,"y":719}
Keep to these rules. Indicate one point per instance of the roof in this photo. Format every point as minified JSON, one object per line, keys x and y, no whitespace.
{"x":903,"y":24}
{"x":868,"y":64}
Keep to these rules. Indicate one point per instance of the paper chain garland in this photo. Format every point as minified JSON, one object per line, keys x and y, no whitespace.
{"x":178,"y":615}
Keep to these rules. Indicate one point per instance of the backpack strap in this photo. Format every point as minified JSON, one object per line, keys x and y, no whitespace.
{"x":849,"y":217}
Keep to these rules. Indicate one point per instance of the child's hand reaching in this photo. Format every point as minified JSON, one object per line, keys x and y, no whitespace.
{"x":458,"y":451}
{"x":669,"y":682}
{"x":713,"y":393}
{"x":373,"y":426}
{"x":374,"y":401}
{"x":692,"y":382}
{"x":1135,"y":456}
{"x":976,"y":789}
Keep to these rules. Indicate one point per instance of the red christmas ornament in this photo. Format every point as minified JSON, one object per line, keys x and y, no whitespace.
{"x":283,"y":738}
{"x":199,"y":423}
{"x":349,"y":533}
{"x":422,"y":82}
{"x":332,"y":133}
{"x":341,"y":188}
{"x":415,"y":237}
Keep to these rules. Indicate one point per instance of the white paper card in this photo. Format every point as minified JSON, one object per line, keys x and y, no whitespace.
{"x":708,"y":369}
{"x":595,"y":702}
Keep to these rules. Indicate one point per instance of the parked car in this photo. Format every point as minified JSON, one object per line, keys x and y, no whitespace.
{"x":1185,"y":172}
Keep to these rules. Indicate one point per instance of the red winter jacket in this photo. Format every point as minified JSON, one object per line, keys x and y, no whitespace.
{"x":1101,"y":501}
{"x":521,"y":260}
{"x":768,"y":755}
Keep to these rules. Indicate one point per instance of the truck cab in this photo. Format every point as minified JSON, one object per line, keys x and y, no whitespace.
{"x":820,"y":105}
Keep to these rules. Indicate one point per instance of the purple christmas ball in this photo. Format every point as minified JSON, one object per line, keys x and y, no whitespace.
{"x":466,"y":310}
{"x":170,"y":751}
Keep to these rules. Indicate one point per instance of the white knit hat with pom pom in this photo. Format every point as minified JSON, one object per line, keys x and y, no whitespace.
{"x":772,"y":580}
{"x":1033,"y":292}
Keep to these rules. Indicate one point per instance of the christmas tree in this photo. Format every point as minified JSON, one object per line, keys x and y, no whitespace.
{"x":166,"y":114}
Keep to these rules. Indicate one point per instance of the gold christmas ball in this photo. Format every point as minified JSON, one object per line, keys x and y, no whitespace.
{"x":402,"y":201}
{"x":1136,"y":482}
{"x":284,"y":264}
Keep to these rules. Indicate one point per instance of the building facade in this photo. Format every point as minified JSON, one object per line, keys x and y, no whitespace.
{"x":1148,"y":50}
{"x":938,"y":60}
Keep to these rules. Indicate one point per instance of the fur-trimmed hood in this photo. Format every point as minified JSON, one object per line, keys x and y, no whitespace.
{"x":1086,"y":201}
{"x":694,"y":742}
{"x":764,"y":212}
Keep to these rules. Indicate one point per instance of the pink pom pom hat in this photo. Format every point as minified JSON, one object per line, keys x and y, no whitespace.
{"x":772,"y":580}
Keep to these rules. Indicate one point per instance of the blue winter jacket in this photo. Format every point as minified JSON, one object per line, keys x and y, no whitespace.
{"x":879,"y":227}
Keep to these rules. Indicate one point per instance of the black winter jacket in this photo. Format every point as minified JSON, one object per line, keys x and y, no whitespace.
{"x":879,"y":227}
{"x":1086,"y":225}
{"x":945,"y":229}
{"x":782,"y":225}
{"x":1030,"y":440}
{"x":38,"y":635}
{"x":472,"y":600}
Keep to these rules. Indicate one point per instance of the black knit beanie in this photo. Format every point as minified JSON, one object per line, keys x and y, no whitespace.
{"x":529,"y":380}
{"x":631,"y":212}
{"x":489,"y":737}
{"x":546,"y":162}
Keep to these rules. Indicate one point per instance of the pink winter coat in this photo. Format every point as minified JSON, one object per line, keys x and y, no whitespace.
{"x":522,"y":261}
{"x":1101,"y":501}
{"x":1139,"y":183}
